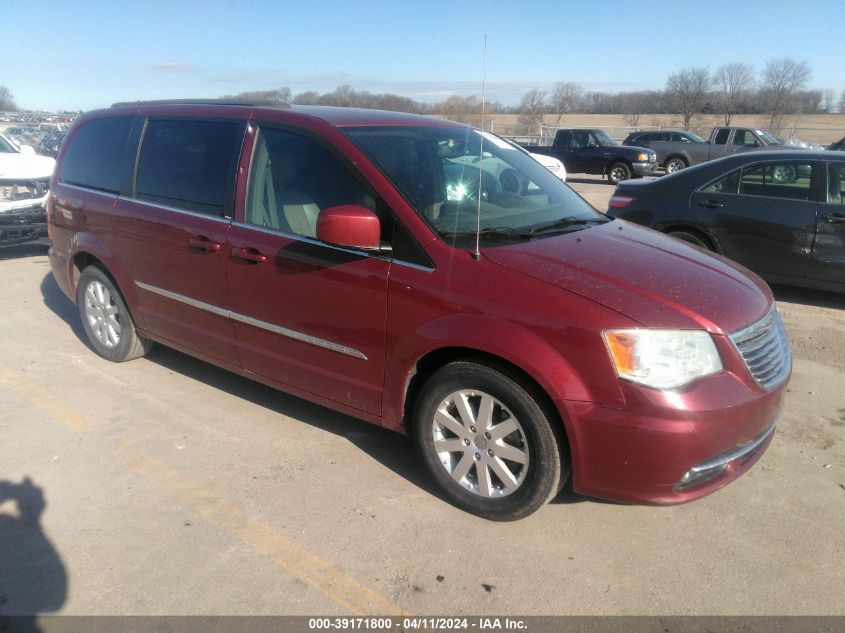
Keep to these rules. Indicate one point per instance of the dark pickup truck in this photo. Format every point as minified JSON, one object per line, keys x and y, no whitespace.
{"x":592,"y":151}
{"x":677,"y":149}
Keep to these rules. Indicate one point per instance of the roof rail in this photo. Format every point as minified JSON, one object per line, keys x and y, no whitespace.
{"x":232,"y":102}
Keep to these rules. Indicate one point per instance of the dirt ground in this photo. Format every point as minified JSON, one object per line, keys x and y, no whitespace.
{"x":168,"y":486}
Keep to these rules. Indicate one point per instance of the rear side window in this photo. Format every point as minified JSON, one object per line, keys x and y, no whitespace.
{"x":97,"y":155}
{"x":189,"y":164}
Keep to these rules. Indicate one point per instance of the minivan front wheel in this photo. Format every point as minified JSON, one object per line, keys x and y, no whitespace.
{"x":106,"y":319}
{"x":487,"y":442}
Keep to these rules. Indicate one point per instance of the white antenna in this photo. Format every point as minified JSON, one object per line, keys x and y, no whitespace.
{"x":477,"y":254}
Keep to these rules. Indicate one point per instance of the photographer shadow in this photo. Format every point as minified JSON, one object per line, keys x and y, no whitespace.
{"x":33,"y":579}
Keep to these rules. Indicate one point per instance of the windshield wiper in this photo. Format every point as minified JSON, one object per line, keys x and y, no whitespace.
{"x":495,"y":233}
{"x":567,"y":223}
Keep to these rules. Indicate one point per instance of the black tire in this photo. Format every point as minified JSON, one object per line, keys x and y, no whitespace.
{"x":674,"y":163}
{"x":618,"y":172}
{"x":535,"y":481}
{"x":691,"y":238}
{"x":117,"y":340}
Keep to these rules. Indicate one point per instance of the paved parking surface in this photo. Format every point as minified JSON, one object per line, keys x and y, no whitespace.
{"x":168,"y":486}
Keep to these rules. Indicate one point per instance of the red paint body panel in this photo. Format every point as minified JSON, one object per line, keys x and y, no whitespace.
{"x":539,"y":305}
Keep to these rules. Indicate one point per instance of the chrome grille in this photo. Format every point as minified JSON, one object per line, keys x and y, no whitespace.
{"x":765,"y":349}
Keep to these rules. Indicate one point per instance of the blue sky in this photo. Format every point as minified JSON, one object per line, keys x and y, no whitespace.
{"x":83,"y":55}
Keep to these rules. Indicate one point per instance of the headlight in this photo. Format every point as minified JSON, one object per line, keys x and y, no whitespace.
{"x":642,"y":158}
{"x":662,"y":359}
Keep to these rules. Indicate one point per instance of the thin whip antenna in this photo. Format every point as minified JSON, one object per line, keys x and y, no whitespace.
{"x":477,"y":254}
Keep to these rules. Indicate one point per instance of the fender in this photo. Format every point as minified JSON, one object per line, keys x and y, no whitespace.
{"x":90,"y":244}
{"x":490,"y":335}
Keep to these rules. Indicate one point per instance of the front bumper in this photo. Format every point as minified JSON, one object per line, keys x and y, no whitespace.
{"x":643,"y":169}
{"x":648,"y":452}
{"x":22,"y":224}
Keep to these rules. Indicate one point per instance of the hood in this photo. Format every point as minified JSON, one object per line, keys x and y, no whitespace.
{"x":24,"y":166}
{"x":649,"y":277}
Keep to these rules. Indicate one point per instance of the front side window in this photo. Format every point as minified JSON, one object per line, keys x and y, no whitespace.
{"x":451,"y":176}
{"x":293,"y":178}
{"x":745,"y":137}
{"x":580,"y":139}
{"x":97,"y":155}
{"x":788,"y":179}
{"x":189,"y":165}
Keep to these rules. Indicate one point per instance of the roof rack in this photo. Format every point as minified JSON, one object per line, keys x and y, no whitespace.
{"x":219,"y":102}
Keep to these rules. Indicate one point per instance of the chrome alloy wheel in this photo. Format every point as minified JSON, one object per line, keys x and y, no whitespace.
{"x":102,"y":314}
{"x":480,"y":443}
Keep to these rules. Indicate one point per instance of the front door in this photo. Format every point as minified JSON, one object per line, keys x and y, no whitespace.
{"x":306,"y":314}
{"x":763,"y":216}
{"x":828,"y":263}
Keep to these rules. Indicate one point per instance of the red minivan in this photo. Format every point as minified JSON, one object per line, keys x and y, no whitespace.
{"x":427,"y":277}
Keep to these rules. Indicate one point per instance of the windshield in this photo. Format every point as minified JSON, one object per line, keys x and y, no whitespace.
{"x":770,"y":140}
{"x":444,"y":176}
{"x":6,"y":147}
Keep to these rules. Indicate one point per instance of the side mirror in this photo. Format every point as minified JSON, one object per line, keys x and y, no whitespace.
{"x":28,"y":150}
{"x":349,"y":225}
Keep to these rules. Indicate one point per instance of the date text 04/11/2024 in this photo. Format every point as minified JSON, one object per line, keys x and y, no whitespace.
{"x":417,"y":623}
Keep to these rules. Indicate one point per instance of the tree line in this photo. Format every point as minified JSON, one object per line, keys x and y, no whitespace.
{"x":778,"y":91}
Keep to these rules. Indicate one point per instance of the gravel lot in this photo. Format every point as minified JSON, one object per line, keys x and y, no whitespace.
{"x":168,"y":486}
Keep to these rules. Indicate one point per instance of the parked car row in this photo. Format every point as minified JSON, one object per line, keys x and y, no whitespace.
{"x":427,"y":277}
{"x":592,"y":151}
{"x":44,"y":139}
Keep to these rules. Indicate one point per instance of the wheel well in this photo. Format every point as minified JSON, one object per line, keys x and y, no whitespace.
{"x":431,"y":362}
{"x":711,"y":243}
{"x":81,"y":261}
{"x":624,"y":161}
{"x":671,"y":156}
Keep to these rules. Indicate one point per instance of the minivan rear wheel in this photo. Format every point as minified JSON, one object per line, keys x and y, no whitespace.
{"x":487,"y":442}
{"x":106,"y":319}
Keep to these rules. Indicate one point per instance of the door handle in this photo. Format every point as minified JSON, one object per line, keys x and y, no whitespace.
{"x":203,"y":244}
{"x":249,"y":254}
{"x":710,"y":204}
{"x":835,"y":218}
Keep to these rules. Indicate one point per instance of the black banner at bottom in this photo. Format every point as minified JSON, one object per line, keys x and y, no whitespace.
{"x":436,"y":624}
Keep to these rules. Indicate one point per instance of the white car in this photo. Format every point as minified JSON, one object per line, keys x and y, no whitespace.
{"x":24,"y":182}
{"x":552,"y":164}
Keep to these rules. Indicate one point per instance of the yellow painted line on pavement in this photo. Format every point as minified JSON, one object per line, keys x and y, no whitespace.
{"x":336,"y":584}
{"x":41,"y":398}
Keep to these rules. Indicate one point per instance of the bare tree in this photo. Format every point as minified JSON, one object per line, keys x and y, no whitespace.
{"x":532,"y":107}
{"x":732,"y":81}
{"x":566,"y":97}
{"x":842,"y":102}
{"x":782,"y":78}
{"x":7,"y":100}
{"x":462,"y":109}
{"x":687,"y":90}
{"x":635,"y":105}
{"x":828,"y":100}
{"x":280,"y":94}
